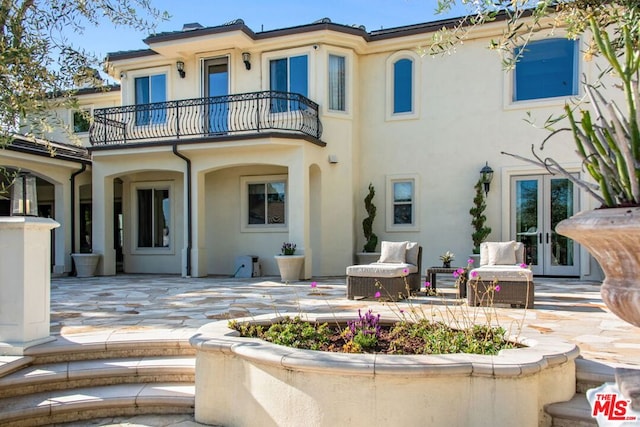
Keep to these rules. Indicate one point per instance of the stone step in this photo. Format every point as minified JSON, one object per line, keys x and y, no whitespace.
{"x":592,"y":374}
{"x":112,"y":345}
{"x":96,"y":402}
{"x":573,"y":413}
{"x":83,"y":373}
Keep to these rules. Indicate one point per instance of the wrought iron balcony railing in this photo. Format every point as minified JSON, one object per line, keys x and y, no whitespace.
{"x":206,"y":117}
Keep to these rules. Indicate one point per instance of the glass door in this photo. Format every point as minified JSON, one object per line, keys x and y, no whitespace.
{"x":540,"y":203}
{"x":216,"y":88}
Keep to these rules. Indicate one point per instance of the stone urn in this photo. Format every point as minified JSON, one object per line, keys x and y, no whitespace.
{"x":86,"y":264}
{"x":612,"y":236}
{"x":290,"y":267}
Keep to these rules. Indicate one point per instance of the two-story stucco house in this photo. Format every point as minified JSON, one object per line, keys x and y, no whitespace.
{"x":221,"y":142}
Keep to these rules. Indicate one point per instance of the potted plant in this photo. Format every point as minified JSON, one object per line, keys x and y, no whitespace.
{"x":478,"y":219}
{"x":289,"y":264}
{"x":369,"y":254}
{"x":446,"y":259}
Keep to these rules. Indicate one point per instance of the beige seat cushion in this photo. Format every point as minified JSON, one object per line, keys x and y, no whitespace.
{"x":510,"y":273}
{"x":393,"y":252}
{"x":412,"y":253}
{"x":382,"y":270}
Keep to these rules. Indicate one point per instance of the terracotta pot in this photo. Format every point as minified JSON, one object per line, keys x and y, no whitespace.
{"x":612,"y":236}
{"x":290,"y":267}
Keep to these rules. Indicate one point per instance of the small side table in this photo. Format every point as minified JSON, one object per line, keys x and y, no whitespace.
{"x":432,"y":272}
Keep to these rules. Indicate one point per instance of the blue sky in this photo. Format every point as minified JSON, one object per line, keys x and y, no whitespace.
{"x":265,"y":15}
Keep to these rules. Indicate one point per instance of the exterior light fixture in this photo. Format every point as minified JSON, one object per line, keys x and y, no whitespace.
{"x":486,"y":175}
{"x":180,"y":68}
{"x":24,"y":199}
{"x":246,"y":58}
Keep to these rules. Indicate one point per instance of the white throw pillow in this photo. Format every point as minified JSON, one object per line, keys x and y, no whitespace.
{"x":502,"y":253}
{"x":393,"y":252}
{"x":412,"y":253}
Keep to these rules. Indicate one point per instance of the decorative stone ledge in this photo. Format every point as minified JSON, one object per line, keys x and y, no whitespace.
{"x":253,"y":382}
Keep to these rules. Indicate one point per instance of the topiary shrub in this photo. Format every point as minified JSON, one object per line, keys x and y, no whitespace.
{"x":367,"y":223}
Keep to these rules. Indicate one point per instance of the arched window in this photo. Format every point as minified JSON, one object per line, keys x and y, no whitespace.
{"x":403,"y":86}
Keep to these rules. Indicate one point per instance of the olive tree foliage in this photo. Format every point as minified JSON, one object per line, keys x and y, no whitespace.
{"x":39,"y":64}
{"x":606,"y":134}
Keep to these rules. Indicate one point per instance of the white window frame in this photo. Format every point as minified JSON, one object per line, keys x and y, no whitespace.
{"x":390,"y":203}
{"x":346,"y":113}
{"x":286,"y":54}
{"x":245,"y":227}
{"x":129,"y":98}
{"x":415,"y":86}
{"x":88,"y":109}
{"x":509,"y":85}
{"x":152,"y":185}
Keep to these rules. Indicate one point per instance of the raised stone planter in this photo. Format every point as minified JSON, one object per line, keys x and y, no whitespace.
{"x":246,"y":381}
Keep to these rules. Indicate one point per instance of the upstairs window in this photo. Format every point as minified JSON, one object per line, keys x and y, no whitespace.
{"x":288,"y":75}
{"x":81,"y":121}
{"x":337,"y":83}
{"x":149,"y":90}
{"x":547,"y":69}
{"x":403,"y":86}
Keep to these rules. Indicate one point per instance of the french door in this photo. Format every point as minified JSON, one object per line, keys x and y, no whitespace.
{"x":540,"y":202}
{"x":216,"y":84}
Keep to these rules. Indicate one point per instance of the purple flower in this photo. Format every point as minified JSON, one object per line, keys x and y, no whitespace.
{"x":427,"y":284}
{"x":474,"y":274}
{"x":405,"y":271}
{"x":314,"y":285}
{"x":401,"y":311}
{"x":523,"y":265}
{"x":470,"y":261}
{"x":497,"y":288}
{"x":377,"y":295}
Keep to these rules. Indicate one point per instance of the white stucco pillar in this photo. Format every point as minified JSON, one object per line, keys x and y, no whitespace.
{"x":62,"y":214}
{"x":25,"y":280}
{"x":299,"y":217}
{"x":198,"y":250}
{"x":102,"y":224}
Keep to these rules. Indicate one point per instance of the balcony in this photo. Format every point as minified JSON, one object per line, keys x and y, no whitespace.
{"x":207,"y":118}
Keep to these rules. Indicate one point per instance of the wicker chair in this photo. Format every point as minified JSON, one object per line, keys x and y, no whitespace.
{"x":516,"y":283}
{"x":366,"y":280}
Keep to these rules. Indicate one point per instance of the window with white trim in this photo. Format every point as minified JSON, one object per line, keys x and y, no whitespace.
{"x":403,"y":86}
{"x":290,"y":74}
{"x":264,"y":203}
{"x":546,"y":69}
{"x":401,"y":212}
{"x":337,"y":82}
{"x":153,"y":216}
{"x":149,"y":90}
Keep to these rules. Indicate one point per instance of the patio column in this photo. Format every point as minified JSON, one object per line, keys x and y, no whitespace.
{"x":299,"y":215}
{"x":62,"y":214}
{"x":25,"y":280}
{"x":102,"y":224}
{"x":198,"y":249}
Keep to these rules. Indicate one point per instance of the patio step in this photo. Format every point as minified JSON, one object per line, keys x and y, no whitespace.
{"x":573,"y":413}
{"x":96,"y":402}
{"x":66,"y":381}
{"x":577,"y":411}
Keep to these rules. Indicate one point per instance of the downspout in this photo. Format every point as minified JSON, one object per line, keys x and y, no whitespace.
{"x":73,"y":209}
{"x":189,"y":226}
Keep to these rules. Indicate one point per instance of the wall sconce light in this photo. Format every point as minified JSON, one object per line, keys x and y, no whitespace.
{"x":333,"y":159}
{"x":24,"y":198}
{"x":180,"y":68}
{"x":486,"y":175}
{"x":246,"y":58}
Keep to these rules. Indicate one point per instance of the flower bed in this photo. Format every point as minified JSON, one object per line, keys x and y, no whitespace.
{"x":247,"y":381}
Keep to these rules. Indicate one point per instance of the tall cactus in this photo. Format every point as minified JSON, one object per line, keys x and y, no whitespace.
{"x":367,"y":223}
